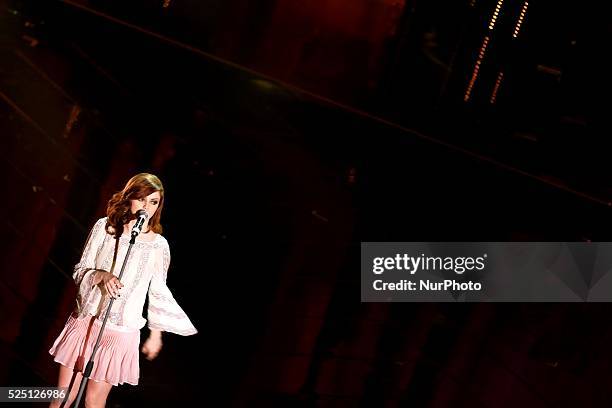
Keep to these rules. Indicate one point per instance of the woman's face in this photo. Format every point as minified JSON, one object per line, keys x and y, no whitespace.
{"x":148,"y":203}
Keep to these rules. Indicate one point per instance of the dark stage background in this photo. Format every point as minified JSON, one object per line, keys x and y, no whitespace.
{"x":286,"y":133}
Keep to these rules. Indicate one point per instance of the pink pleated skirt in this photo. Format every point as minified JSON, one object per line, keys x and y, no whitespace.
{"x":115,"y":362}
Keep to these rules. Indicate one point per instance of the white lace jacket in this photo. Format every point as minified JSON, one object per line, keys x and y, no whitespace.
{"x":145,"y":271}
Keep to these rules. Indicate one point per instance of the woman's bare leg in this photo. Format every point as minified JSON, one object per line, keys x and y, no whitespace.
{"x":65,"y":376}
{"x":96,"y":394}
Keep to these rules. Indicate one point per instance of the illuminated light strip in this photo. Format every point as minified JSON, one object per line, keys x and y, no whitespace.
{"x":483,"y":49}
{"x":500,"y":76}
{"x":495,"y":14}
{"x":517,"y":28}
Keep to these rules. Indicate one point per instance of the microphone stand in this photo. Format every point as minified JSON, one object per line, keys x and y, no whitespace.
{"x":90,"y":363}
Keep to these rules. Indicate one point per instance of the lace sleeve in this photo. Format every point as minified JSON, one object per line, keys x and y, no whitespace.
{"x":88,"y":258}
{"x":163,"y":312}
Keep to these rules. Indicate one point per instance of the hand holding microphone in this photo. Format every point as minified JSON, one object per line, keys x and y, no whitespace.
{"x":141,"y":217}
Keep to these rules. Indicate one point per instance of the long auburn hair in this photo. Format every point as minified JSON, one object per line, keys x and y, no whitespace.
{"x":118,"y":208}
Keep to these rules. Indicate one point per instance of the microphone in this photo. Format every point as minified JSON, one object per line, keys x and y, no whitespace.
{"x":141,"y":217}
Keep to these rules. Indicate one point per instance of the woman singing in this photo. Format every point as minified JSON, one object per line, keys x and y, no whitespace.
{"x":116,"y":360}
